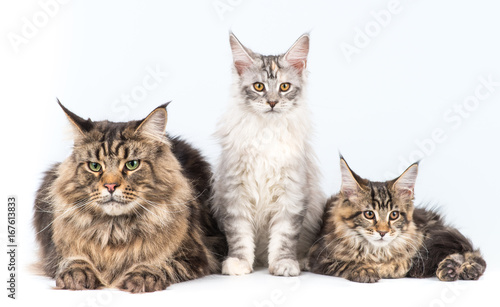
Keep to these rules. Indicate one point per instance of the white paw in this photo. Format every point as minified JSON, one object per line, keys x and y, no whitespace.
{"x":285,"y":267}
{"x":235,"y":266}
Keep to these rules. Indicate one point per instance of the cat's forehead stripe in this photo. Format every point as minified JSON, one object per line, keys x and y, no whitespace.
{"x":271,"y":65}
{"x":112,"y":143}
{"x":381,"y":197}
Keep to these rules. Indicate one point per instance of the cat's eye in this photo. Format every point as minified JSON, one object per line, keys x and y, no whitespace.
{"x":369,"y":214}
{"x":284,"y":87}
{"x":394,"y":215}
{"x":95,"y":167}
{"x":132,"y":165}
{"x":258,"y":86}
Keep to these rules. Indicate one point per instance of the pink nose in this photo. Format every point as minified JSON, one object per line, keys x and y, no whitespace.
{"x":272,"y":104}
{"x":111,"y":187}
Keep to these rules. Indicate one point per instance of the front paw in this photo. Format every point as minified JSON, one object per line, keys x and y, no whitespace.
{"x":78,"y":276}
{"x":285,"y":267}
{"x":448,"y":270}
{"x":364,"y":275}
{"x":139,"y":281}
{"x":236,"y":266}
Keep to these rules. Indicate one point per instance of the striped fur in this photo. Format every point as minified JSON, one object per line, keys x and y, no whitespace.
{"x":363,"y":240}
{"x":150,"y":232}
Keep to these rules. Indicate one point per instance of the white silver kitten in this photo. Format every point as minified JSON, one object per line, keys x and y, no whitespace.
{"x":266,"y":191}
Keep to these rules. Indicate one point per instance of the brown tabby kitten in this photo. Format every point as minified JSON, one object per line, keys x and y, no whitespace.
{"x":127,"y":209}
{"x":372,"y":231}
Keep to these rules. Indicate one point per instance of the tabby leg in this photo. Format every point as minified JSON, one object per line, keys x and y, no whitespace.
{"x":284,"y":235}
{"x":77,"y":274}
{"x":240,"y":240}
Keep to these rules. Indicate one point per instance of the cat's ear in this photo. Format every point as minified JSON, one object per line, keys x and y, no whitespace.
{"x":80,"y":125}
{"x":154,"y":125}
{"x":297,"y":54}
{"x":351,"y":183}
{"x":404,"y":185}
{"x":241,"y":57}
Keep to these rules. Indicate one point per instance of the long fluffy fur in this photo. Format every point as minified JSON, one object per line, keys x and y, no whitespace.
{"x":423,"y":245}
{"x":266,"y":191}
{"x":165,"y":238}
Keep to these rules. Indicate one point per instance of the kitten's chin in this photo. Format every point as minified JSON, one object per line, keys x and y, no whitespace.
{"x":378,"y":241}
{"x":272,"y":112}
{"x":114,"y":208}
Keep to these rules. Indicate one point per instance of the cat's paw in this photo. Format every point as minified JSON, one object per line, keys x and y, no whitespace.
{"x":142,"y":281}
{"x":449,"y":269}
{"x":364,"y":275}
{"x":471,"y":271}
{"x":236,"y":266}
{"x":285,"y":267}
{"x":78,"y":276}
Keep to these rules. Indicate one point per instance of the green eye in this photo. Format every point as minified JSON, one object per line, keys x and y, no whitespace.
{"x":132,"y":165}
{"x":95,"y":167}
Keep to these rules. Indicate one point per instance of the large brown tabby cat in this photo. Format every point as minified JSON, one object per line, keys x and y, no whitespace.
{"x":372,"y":231}
{"x":127,"y":209}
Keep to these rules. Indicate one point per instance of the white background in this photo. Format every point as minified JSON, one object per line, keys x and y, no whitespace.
{"x":380,"y":107}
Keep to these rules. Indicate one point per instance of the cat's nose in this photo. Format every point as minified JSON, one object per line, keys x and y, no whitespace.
{"x":111,"y":186}
{"x":382,"y":233}
{"x":272,"y":104}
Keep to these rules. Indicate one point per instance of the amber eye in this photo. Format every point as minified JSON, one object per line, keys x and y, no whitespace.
{"x":394,"y":215}
{"x":369,"y":214}
{"x":259,"y":87}
{"x":284,"y":87}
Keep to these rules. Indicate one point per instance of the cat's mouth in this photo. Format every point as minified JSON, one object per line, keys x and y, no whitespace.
{"x":113,"y":201}
{"x":116,"y":207}
{"x":272,"y":111}
{"x":377,"y":240}
{"x":380,"y":242}
{"x":113,"y":205}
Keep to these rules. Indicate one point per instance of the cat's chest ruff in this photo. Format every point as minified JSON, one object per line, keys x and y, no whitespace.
{"x":268,"y":148}
{"x":266,"y":135}
{"x":268,"y":140}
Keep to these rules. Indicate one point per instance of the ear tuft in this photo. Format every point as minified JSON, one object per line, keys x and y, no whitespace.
{"x":241,"y":58}
{"x":154,"y":125}
{"x":404,"y":185}
{"x":350,"y":185}
{"x":80,"y":125}
{"x":297,"y":54}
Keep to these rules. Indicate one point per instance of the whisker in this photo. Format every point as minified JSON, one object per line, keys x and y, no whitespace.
{"x":162,"y":222}
{"x":162,"y":205}
{"x":172,"y":204}
{"x":74,"y":206}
